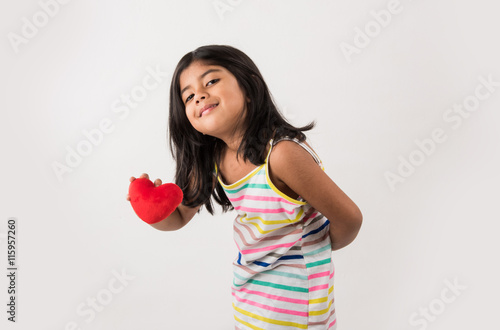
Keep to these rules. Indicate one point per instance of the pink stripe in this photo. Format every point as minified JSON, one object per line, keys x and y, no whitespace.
{"x":269,"y":308}
{"x":270,"y":296}
{"x":318,"y":275}
{"x":331,"y":324}
{"x":261,"y":198}
{"x":251,"y":209}
{"x":267,"y":248}
{"x":318,"y":287}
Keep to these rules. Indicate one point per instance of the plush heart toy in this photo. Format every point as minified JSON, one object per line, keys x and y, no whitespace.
{"x":153,"y":204}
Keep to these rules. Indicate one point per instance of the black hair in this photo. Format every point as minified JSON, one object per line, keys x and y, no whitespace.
{"x":195,"y":154}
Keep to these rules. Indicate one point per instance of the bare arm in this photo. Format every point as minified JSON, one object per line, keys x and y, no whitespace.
{"x":295,"y":167}
{"x":178,"y":219}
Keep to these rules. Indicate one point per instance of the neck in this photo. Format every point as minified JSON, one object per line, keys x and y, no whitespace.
{"x":232,"y":139}
{"x":233,"y":143}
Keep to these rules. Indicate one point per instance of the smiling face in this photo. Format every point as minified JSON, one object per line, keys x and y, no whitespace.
{"x":213,"y":100}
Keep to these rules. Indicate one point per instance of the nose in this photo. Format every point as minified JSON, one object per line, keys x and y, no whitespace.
{"x":201,"y":96}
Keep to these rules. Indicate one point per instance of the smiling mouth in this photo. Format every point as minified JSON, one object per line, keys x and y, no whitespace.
{"x":208,"y":109}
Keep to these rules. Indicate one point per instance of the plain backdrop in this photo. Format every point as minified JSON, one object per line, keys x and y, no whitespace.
{"x":436,"y":227}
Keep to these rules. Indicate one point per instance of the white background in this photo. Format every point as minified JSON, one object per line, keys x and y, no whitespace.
{"x":440,"y":224}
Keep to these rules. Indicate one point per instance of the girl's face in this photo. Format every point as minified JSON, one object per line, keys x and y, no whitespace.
{"x":213,"y":99}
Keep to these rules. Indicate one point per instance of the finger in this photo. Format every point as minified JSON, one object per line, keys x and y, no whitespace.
{"x":132,"y":178}
{"x":128,"y":197}
{"x":157,"y":182}
{"x":145,"y":175}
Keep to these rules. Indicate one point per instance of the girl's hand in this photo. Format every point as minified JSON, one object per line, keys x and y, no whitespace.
{"x":144,"y":175}
{"x":153,"y":202}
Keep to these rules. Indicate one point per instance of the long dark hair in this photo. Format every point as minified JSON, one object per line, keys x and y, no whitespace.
{"x":195,"y":154}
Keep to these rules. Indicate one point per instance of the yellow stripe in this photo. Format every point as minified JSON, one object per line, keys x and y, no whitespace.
{"x":268,"y":320}
{"x":256,"y":225}
{"x":273,"y":187}
{"x":323,"y":311}
{"x":320,"y":300}
{"x":274,"y":222}
{"x":247,"y":324}
{"x":290,"y":199}
{"x":317,"y":301}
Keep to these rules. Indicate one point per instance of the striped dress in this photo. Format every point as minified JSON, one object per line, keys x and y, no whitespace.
{"x":283,"y":274}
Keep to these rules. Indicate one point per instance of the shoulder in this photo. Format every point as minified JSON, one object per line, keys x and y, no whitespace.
{"x":287,"y":148}
{"x":290,"y":149}
{"x":289,"y":159}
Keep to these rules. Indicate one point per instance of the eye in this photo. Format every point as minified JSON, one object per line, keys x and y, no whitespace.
{"x":214,"y":80}
{"x":208,"y":83}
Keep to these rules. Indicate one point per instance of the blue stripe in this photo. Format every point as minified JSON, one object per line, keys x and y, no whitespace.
{"x":239,"y":258}
{"x":291,"y":257}
{"x":317,"y":229}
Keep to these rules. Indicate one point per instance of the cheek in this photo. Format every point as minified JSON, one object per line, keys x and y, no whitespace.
{"x":189,"y":111}
{"x":236,"y":100}
{"x":189,"y":116}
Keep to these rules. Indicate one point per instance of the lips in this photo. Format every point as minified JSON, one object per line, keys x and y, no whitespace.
{"x":207,"y":108}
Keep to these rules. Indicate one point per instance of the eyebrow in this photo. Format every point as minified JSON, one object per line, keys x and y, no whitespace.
{"x":201,"y":77}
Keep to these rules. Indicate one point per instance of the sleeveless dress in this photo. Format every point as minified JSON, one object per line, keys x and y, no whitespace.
{"x":283,"y":274}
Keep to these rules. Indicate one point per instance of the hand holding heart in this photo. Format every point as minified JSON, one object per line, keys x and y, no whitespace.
{"x":153,"y":202}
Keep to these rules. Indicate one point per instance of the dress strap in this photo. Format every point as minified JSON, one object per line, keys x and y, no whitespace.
{"x":302,"y":144}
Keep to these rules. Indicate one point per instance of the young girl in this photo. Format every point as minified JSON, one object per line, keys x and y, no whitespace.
{"x":231,"y":143}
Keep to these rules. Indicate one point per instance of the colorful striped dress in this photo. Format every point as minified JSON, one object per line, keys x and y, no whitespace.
{"x":283,"y":274}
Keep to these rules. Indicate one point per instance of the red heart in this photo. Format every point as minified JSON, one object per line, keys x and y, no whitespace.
{"x":153,"y":204}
